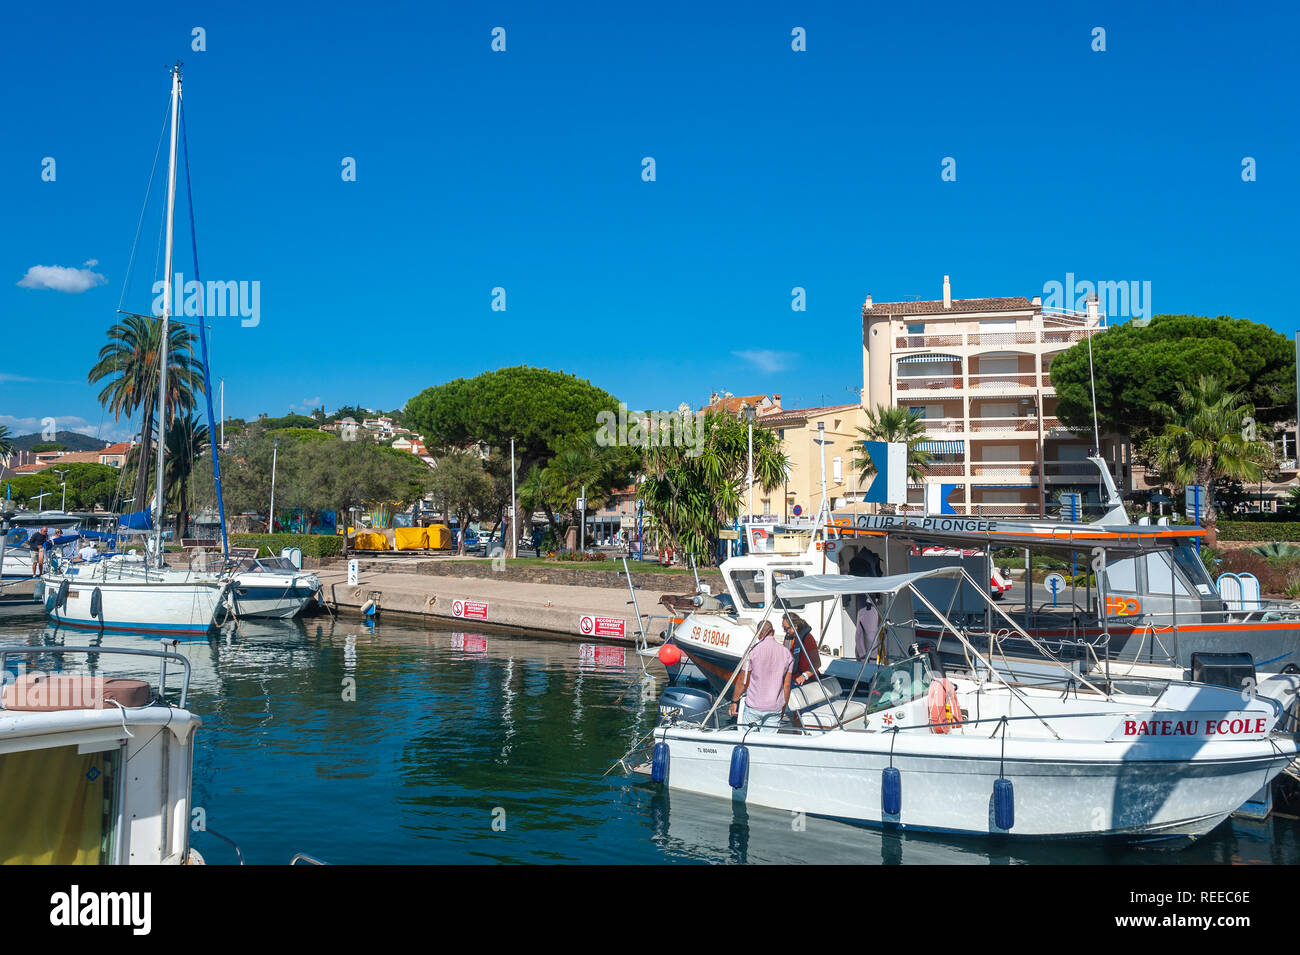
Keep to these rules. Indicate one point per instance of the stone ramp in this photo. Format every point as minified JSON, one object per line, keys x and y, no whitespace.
{"x":552,"y":608}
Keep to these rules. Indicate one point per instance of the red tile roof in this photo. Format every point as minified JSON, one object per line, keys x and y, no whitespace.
{"x":1011,"y":304}
{"x":733,"y":403}
{"x":791,"y":415}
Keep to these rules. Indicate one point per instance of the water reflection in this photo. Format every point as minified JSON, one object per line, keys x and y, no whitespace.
{"x":404,"y":743}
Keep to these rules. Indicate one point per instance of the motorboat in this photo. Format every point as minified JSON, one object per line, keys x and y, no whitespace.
{"x":1041,"y":751}
{"x":94,"y":769}
{"x":1133,"y":598}
{"x":17,"y":571}
{"x":271,"y":587}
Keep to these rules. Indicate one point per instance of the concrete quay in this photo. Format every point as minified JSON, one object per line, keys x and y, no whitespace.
{"x":596,"y":614}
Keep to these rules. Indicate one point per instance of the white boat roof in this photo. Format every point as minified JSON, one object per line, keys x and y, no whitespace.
{"x":825,"y":586}
{"x":983,"y":532}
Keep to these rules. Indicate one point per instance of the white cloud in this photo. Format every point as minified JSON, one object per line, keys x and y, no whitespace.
{"x":765,"y":359}
{"x":307,"y":406}
{"x":90,"y":263}
{"x":61,"y":278}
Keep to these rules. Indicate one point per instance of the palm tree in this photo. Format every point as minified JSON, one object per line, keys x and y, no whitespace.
{"x":6,"y":442}
{"x":129,"y":362}
{"x":897,"y":426}
{"x":690,"y":492}
{"x":187,"y":439}
{"x":1211,"y":438}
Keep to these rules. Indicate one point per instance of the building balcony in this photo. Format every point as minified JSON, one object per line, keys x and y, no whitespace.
{"x":943,"y":426}
{"x":1025,"y":509}
{"x":1018,"y":471}
{"x":930,"y":383}
{"x":1033,"y":337}
{"x":1074,"y":472}
{"x":1006,"y":383}
{"x":946,"y":469}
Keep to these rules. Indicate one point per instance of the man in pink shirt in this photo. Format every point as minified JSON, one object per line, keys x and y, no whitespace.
{"x":764,"y":681}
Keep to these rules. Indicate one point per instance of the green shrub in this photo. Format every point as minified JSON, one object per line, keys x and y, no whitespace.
{"x":270,"y":545}
{"x":1259,"y":530}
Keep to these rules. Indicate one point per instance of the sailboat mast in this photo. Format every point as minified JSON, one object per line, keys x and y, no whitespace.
{"x":166,"y":314}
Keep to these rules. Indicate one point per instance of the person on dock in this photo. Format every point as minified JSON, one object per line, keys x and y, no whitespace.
{"x":764,"y":681}
{"x":803,"y":647}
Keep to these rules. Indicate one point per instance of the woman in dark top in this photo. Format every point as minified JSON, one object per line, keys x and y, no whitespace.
{"x":807,"y":661}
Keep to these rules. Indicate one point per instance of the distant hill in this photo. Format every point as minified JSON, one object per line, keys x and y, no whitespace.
{"x":72,"y":440}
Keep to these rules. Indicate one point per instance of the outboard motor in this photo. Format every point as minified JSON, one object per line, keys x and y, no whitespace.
{"x":685,"y":704}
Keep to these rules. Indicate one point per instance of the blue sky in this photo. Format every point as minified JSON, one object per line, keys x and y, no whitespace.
{"x":523,"y":170}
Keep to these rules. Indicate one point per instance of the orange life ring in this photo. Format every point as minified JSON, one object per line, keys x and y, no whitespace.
{"x":945,"y":712}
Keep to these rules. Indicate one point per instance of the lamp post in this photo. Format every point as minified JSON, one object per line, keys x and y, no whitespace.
{"x":270,"y":517}
{"x":749,"y":416}
{"x":63,"y":479}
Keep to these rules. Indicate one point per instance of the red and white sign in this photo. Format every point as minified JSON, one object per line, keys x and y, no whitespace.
{"x":1202,"y":726}
{"x":469,"y":609}
{"x":593,"y":626}
{"x":469,"y":642}
{"x":602,"y":656}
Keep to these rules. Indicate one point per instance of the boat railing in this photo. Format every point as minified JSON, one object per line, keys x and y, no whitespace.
{"x":162,"y":656}
{"x":1000,"y":720}
{"x":303,"y":857}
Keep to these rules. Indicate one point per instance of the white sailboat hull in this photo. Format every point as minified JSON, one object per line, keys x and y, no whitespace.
{"x":161,"y":602}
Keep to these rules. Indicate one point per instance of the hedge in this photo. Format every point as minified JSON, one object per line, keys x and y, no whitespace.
{"x":313,"y":545}
{"x":1259,"y":530}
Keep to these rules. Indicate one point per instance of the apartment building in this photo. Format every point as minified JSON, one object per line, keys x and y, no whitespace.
{"x":978,"y":372}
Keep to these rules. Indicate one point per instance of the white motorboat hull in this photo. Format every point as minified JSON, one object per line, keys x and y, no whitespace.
{"x":280,"y":596}
{"x":172,"y":602}
{"x":1080,"y":790}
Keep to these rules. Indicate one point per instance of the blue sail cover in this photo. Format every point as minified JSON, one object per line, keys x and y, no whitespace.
{"x":139,"y":521}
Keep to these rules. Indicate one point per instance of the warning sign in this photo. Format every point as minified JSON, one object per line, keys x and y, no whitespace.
{"x":593,"y":626}
{"x":469,"y":609}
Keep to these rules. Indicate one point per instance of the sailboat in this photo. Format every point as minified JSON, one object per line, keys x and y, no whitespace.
{"x":142,"y":594}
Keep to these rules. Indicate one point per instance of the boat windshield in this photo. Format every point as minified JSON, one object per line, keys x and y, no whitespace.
{"x":1190,"y":564}
{"x":899,"y":683}
{"x":268,"y":565}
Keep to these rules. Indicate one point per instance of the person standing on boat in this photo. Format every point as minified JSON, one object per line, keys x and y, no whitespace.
{"x":764,"y":681}
{"x":799,"y":641}
{"x":36,"y":544}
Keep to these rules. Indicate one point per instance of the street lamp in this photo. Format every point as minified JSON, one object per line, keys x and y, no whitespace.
{"x":270,"y":517}
{"x":63,"y":479}
{"x":749,"y":417}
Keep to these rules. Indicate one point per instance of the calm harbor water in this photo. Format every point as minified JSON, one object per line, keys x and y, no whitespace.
{"x":468,"y":748}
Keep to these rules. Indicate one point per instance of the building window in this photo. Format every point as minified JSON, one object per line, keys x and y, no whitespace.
{"x":916,"y":328}
{"x":837,"y":470}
